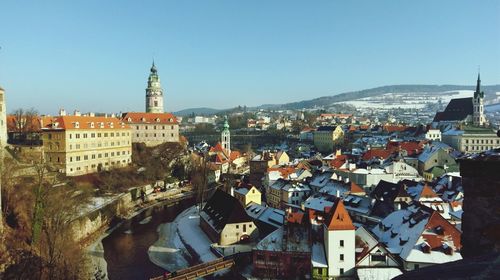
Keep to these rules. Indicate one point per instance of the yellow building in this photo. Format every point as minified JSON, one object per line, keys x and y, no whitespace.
{"x":247,"y":194}
{"x":79,"y":145}
{"x":325,"y":138}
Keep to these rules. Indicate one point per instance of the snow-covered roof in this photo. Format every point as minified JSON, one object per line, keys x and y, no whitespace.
{"x":406,"y":232}
{"x":319,"y":201}
{"x":265,"y":214}
{"x":318,"y":258}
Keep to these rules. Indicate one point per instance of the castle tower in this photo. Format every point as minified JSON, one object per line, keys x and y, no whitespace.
{"x":478,"y":118}
{"x":226,"y":137}
{"x":339,"y":239}
{"x":154,"y":93}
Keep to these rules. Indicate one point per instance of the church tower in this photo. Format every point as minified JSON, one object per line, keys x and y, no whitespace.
{"x":226,"y":137}
{"x":478,"y":118}
{"x":154,"y":93}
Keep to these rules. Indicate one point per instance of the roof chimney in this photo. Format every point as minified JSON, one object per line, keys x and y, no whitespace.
{"x":92,"y":114}
{"x":77,"y":113}
{"x":62,"y":112}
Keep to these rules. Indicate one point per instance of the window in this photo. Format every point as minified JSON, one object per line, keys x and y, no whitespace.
{"x":416,"y":266}
{"x":341,"y":271}
{"x":341,"y":243}
{"x":342,"y":257}
{"x":378,"y":258}
{"x":237,"y":226}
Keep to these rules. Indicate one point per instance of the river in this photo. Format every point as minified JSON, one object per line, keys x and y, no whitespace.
{"x":126,"y":248}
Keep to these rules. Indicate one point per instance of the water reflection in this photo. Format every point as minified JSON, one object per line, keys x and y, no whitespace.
{"x":126,"y":249}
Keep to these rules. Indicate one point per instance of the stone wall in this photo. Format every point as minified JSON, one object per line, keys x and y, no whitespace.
{"x":481,"y":217}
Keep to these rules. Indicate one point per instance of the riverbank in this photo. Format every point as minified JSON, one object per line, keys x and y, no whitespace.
{"x":95,"y":251}
{"x":181,"y":243}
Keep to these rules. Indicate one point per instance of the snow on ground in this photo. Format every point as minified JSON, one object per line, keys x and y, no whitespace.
{"x":378,"y":273}
{"x":95,"y":252}
{"x":190,"y":233}
{"x":413,"y":100}
{"x":170,"y":252}
{"x":167,"y":252}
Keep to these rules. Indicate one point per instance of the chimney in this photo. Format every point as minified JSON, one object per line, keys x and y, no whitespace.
{"x":77,"y":113}
{"x":450,"y":182}
{"x":113,"y":115}
{"x":338,"y":193}
{"x":62,"y":112}
{"x":92,"y":114}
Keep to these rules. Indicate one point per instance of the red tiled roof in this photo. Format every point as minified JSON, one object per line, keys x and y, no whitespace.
{"x":285,"y":171}
{"x":356,"y":189}
{"x":234,"y":155}
{"x":411,"y":147}
{"x":340,"y":219}
{"x":139,"y":117}
{"x":83,"y":122}
{"x":393,"y":128}
{"x":449,"y":232}
{"x":427,"y":192}
{"x":376,"y":153}
{"x":295,"y":217}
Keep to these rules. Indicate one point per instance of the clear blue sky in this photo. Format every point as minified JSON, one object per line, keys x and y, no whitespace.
{"x":95,"y":55}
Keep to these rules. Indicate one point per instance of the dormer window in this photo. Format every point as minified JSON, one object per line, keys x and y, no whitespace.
{"x":425,"y":248}
{"x":157,"y":119}
{"x":129,"y":119}
{"x":92,"y":125}
{"x":143,"y":119}
{"x":111,"y":125}
{"x":170,"y":120}
{"x":101,"y":125}
{"x":77,"y":125}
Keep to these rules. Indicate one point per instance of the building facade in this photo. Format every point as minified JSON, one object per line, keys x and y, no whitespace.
{"x":79,"y":145}
{"x":471,"y":139}
{"x":325,"y":138}
{"x":152,"y":128}
{"x":154,"y":92}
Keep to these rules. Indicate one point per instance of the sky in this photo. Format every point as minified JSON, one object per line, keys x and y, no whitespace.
{"x":95,"y":55}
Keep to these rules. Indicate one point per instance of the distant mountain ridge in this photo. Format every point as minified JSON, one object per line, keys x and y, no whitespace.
{"x":349,"y":96}
{"x":196,"y":111}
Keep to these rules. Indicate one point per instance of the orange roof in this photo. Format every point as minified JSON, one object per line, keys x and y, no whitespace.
{"x":285,"y":171}
{"x":295,"y":217}
{"x":82,"y":122}
{"x":393,"y":128}
{"x":340,"y":219}
{"x":449,"y":232}
{"x":376,"y":153}
{"x":427,"y":192}
{"x":234,"y":155}
{"x":356,"y":189}
{"x":217,"y":148}
{"x":161,"y":118}
{"x":12,"y":124}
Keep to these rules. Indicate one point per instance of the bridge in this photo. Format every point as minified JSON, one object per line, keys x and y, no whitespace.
{"x":199,"y":270}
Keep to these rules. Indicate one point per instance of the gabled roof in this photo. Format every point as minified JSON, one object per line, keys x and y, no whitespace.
{"x":339,"y":218}
{"x":457,"y":110}
{"x":427,"y":192}
{"x":224,"y":209}
{"x":356,"y":189}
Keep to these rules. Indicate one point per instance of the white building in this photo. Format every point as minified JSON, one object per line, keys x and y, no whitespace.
{"x":433,"y":134}
{"x":339,"y":240}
